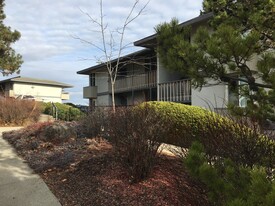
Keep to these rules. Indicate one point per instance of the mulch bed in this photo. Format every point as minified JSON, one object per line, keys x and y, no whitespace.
{"x":88,"y":172}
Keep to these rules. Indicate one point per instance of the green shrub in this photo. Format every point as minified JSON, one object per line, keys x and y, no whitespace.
{"x":221,"y":136}
{"x":64,"y":112}
{"x":230,"y":184}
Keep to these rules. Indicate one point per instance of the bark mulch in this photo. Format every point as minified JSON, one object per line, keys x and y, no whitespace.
{"x":88,"y":172}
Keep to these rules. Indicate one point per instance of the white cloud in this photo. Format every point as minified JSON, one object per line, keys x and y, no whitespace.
{"x":47,"y":28}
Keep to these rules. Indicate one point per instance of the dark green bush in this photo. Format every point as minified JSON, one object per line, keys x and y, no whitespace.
{"x":221,"y":136}
{"x":64,"y":112}
{"x":230,"y":184}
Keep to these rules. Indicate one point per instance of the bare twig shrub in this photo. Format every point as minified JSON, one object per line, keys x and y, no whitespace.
{"x":18,"y":112}
{"x":95,"y":123}
{"x":136,"y":135}
{"x":58,"y":132}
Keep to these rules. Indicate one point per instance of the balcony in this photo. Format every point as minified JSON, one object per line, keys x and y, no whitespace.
{"x":90,"y":92}
{"x":65,"y":96}
{"x":176,"y":91}
{"x":135,"y":82}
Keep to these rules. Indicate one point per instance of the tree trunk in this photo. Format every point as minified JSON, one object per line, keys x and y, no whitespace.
{"x":113,"y":96}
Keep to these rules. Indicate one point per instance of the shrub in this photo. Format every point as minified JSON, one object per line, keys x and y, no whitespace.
{"x":18,"y":112}
{"x":94,"y":124}
{"x":65,"y":112}
{"x":221,"y":136}
{"x":136,"y":135}
{"x":228,"y":183}
{"x":57,"y":132}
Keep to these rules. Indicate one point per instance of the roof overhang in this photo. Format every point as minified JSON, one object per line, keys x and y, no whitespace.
{"x":150,"y":41}
{"x":28,"y":80}
{"x":102,"y":66}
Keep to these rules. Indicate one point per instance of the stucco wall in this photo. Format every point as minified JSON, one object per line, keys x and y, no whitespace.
{"x":101,"y":81}
{"x":165,"y":75}
{"x":103,"y":100}
{"x":210,"y":97}
{"x":41,"y":92}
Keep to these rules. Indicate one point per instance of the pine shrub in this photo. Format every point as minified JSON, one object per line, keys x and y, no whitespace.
{"x":229,"y":183}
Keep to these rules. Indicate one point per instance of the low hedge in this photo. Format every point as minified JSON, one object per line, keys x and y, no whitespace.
{"x":221,"y":136}
{"x":65,"y":112}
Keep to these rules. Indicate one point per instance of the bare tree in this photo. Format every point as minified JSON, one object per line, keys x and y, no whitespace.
{"x":111,"y":47}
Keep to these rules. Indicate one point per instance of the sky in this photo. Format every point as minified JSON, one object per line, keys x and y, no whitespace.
{"x":51,"y":29}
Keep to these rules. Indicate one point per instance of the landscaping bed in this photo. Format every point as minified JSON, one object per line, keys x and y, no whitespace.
{"x":83,"y":171}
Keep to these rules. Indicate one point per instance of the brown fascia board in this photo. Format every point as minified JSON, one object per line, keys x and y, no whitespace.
{"x":103,"y":65}
{"x":147,"y":41}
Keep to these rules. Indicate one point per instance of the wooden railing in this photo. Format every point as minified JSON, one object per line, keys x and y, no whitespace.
{"x":176,"y":91}
{"x":138,"y":81}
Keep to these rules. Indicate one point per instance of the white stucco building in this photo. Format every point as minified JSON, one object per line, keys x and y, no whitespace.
{"x":41,"y":89}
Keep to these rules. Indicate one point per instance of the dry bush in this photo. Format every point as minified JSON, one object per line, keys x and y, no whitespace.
{"x":58,"y":132}
{"x":136,"y":135}
{"x":95,"y":123}
{"x":18,"y":112}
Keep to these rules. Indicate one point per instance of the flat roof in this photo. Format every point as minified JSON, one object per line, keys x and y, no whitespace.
{"x":202,"y":17}
{"x":36,"y":81}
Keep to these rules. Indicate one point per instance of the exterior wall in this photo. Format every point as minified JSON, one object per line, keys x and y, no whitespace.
{"x":104,"y":100}
{"x":137,"y":98}
{"x":41,"y":92}
{"x":210,"y":97}
{"x":101,"y":81}
{"x":164,"y":75}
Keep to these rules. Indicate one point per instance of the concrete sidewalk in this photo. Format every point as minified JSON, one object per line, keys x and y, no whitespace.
{"x":18,"y":185}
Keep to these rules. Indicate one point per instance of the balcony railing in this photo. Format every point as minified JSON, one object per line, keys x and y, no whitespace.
{"x":176,"y":91}
{"x":134,"y":82}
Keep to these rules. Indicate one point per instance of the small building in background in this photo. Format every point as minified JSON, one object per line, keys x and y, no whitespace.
{"x":40,"y":89}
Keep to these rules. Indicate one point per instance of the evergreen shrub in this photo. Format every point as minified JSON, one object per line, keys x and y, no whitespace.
{"x":65,"y":112}
{"x":228,"y":183}
{"x":221,"y":136}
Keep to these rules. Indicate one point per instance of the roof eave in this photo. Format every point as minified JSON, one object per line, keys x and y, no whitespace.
{"x":203,"y":17}
{"x":89,"y":70}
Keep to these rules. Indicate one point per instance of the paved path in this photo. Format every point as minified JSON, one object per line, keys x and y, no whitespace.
{"x":18,"y":185}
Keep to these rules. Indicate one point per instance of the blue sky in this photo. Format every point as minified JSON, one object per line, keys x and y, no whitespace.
{"x":47,"y":29}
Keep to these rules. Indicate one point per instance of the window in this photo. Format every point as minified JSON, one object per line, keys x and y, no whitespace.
{"x":92,"y":79}
{"x":235,"y":98}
